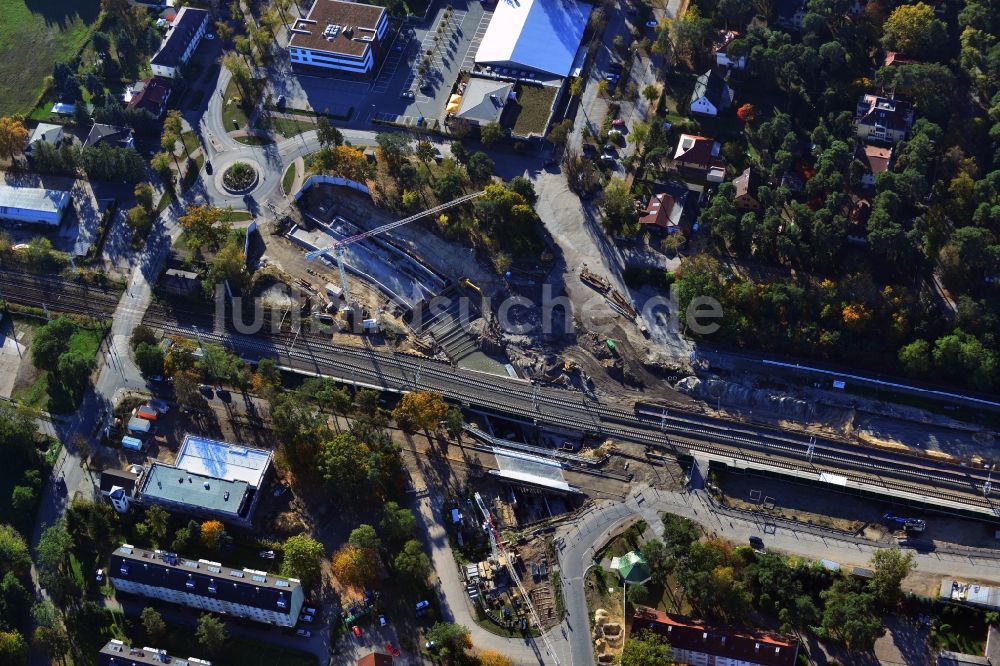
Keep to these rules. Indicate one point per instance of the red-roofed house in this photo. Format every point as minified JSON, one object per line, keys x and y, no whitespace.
{"x":663,"y":212}
{"x":375,"y":659}
{"x":694,"y":642}
{"x":152,"y":95}
{"x":893,"y":59}
{"x":700,"y":153}
{"x":876,"y":160}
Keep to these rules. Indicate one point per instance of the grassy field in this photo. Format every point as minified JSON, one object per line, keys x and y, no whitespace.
{"x":288,"y":178}
{"x":43,"y":395}
{"x":33,"y":37}
{"x":289,"y":127}
{"x":532,"y":109}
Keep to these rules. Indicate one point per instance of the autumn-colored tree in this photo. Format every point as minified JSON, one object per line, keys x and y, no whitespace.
{"x":747,"y":113}
{"x":204,"y":225}
{"x":493,"y":658}
{"x":424,"y":409}
{"x":211,"y":533}
{"x":12,"y":136}
{"x":855,"y":316}
{"x":355,"y":566}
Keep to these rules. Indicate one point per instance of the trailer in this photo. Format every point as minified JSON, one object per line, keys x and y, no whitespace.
{"x":147,"y":412}
{"x":138,"y":425}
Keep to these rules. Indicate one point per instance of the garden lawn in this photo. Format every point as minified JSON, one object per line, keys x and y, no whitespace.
{"x":33,"y":37}
{"x":289,"y":127}
{"x":288,"y":178}
{"x":530,"y":112}
{"x":53,"y":398}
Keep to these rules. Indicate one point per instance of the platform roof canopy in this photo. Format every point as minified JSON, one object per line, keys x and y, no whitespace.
{"x":526,"y":469}
{"x":535,"y":35}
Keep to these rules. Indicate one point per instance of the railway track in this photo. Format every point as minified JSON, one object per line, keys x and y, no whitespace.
{"x":892,"y":472}
{"x":57,"y":294}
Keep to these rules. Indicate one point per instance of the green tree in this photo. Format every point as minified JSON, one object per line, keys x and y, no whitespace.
{"x":651,"y":92}
{"x":13,"y":648}
{"x":646,"y":649}
{"x":425,"y":409}
{"x":524,"y":187}
{"x":219,"y":365}
{"x":480,"y":167}
{"x":144,"y":196}
{"x":149,"y":358}
{"x":450,"y":640}
{"x":560,"y":131}
{"x":157,"y":520}
{"x":916,"y":358}
{"x":490,"y":133}
{"x":618,"y":208}
{"x":50,"y":560}
{"x":364,"y":537}
{"x":394,"y":147}
{"x":348,"y":465}
{"x":153,"y":623}
{"x":425,"y":152}
{"x":74,"y":370}
{"x":327,"y":134}
{"x":398,"y":525}
{"x":851,"y":617}
{"x":204,"y":226}
{"x":891,"y":566}
{"x":454,"y":422}
{"x":53,"y":641}
{"x":303,"y":559}
{"x":412,"y":562}
{"x":14,"y":554}
{"x":355,"y":566}
{"x":211,"y":633}
{"x":51,"y":341}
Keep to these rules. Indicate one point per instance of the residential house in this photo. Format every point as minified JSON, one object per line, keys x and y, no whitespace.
{"x":711,"y":94}
{"x":482,"y":101}
{"x":342,"y":36}
{"x":45,"y":133}
{"x":118,"y":485}
{"x":183,"y":37}
{"x":858,"y":212}
{"x":893,"y":59}
{"x":664,"y":210}
{"x":791,"y":14}
{"x":206,"y":585}
{"x":119,"y":137}
{"x":375,"y":659}
{"x":701,"y":154}
{"x":722,"y":57}
{"x":695,"y":642}
{"x":151,"y":95}
{"x":876,"y":160}
{"x":745,"y":190}
{"x":882,"y":119}
{"x":116,"y":653}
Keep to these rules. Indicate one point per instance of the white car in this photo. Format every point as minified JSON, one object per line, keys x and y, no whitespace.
{"x":652,"y":23}
{"x":306,"y":618}
{"x":304,"y":633}
{"x":99,"y":576}
{"x":209,"y":36}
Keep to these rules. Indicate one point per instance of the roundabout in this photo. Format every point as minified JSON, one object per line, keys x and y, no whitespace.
{"x":240,"y":178}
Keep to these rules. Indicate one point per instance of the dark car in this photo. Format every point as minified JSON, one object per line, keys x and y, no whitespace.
{"x":208,"y":170}
{"x":757,"y":543}
{"x":590,"y":150}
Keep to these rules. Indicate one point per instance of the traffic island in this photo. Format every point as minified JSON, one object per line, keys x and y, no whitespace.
{"x":239,"y":178}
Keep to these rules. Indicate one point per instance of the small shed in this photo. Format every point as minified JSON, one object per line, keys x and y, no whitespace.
{"x":131,"y":443}
{"x":147,"y":412}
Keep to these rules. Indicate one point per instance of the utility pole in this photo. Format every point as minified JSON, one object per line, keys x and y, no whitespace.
{"x":812,"y":447}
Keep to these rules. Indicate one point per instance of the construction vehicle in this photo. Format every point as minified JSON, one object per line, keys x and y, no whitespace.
{"x":500,"y":553}
{"x":469,"y":284}
{"x":337,"y":249}
{"x":905,"y":524}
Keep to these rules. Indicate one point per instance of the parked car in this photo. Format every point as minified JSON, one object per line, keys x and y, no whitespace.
{"x":207,"y":390}
{"x":429,"y":645}
{"x":607,"y":158}
{"x":615,"y":67}
{"x":757,"y":543}
{"x":618,"y":122}
{"x":589,"y":150}
{"x":99,"y":576}
{"x":306,"y":618}
{"x":612,"y":78}
{"x":310,"y":610}
{"x":407,"y":94}
{"x":266,"y":554}
{"x":209,"y":36}
{"x":304,"y":633}
{"x":356,"y":630}
{"x":652,"y":23}
{"x":381,"y":620}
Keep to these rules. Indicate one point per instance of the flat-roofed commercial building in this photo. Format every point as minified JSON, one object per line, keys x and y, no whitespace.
{"x":32,"y":204}
{"x":341,"y":36}
{"x":541,"y":36}
{"x":209,"y":479}
{"x":206,"y":585}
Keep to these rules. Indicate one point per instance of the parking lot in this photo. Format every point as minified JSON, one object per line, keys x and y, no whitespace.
{"x":383,"y":96}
